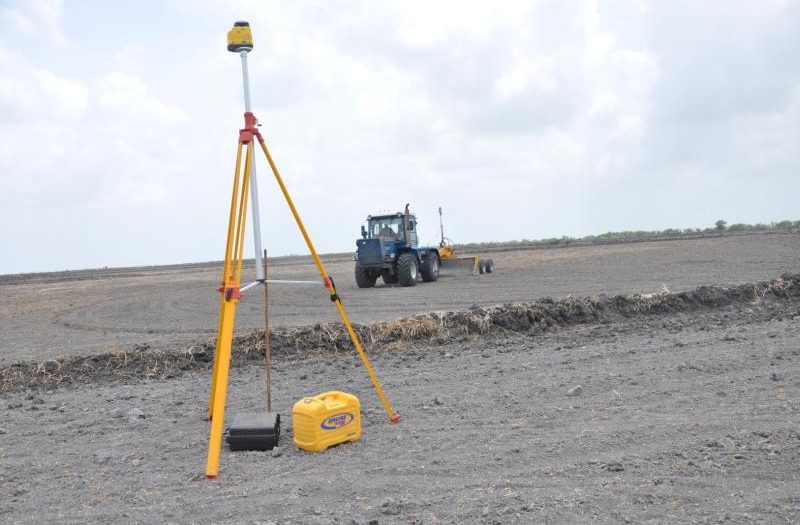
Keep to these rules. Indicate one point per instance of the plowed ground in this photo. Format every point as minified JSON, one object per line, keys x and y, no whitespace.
{"x":672,"y":417}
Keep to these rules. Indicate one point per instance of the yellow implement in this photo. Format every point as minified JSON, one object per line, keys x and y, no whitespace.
{"x":470,"y":264}
{"x":448,"y":260}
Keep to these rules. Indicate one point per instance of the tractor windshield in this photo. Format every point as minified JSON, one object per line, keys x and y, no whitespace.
{"x":386,"y":228}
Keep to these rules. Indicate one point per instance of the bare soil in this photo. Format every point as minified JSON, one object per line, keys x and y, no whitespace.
{"x":668,"y":407}
{"x":678,"y":419}
{"x":45,"y":316}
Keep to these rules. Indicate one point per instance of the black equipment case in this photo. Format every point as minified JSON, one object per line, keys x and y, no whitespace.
{"x":254,"y":431}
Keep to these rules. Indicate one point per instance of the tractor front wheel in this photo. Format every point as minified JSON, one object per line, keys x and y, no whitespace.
{"x":364,"y":279}
{"x":407,"y":269}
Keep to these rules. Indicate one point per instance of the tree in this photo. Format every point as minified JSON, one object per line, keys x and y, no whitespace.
{"x":720,"y":225}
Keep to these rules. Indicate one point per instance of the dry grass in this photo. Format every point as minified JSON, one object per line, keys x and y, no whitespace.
{"x":762,"y":291}
{"x":405,"y":330}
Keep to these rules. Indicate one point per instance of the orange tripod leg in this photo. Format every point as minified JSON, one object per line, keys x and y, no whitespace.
{"x":394,"y":417}
{"x":230,"y":296}
{"x":226,"y":273}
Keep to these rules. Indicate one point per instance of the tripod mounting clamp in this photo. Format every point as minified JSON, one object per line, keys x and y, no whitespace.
{"x":250,"y":129}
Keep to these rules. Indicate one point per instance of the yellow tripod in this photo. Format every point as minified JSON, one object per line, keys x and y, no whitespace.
{"x":240,"y":41}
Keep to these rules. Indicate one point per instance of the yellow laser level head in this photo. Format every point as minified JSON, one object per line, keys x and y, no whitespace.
{"x":240,"y":38}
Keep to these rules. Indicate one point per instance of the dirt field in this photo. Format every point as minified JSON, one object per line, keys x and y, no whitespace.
{"x":45,"y":316}
{"x":682,"y":408}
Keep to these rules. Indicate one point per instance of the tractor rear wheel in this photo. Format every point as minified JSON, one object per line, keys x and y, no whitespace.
{"x":430,"y":268}
{"x":481,"y":266}
{"x":388,"y":277}
{"x":364,"y":279}
{"x":488,"y":266}
{"x":407,"y":269}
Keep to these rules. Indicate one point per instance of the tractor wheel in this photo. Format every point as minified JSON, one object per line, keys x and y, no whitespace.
{"x":364,"y":279}
{"x":388,"y":277}
{"x":488,"y":267}
{"x":481,"y":266}
{"x":430,"y":268}
{"x":407,"y":269}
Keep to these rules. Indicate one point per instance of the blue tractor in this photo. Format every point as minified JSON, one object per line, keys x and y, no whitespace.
{"x":389,"y":249}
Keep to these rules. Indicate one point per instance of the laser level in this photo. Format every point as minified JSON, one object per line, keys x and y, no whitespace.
{"x":240,"y":38}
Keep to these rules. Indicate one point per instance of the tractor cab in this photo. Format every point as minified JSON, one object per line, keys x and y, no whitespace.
{"x":394,"y":228}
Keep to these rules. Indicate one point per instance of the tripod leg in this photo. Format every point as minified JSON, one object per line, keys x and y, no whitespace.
{"x":230,"y":294}
{"x":329,"y":285}
{"x":226,"y":272}
{"x":220,"y":388}
{"x":239,"y":246}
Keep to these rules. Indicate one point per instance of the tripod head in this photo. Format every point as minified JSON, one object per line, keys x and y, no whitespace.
{"x":240,"y":39}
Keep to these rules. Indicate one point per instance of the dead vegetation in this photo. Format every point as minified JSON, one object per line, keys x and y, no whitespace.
{"x":775,"y":288}
{"x":144,"y":363}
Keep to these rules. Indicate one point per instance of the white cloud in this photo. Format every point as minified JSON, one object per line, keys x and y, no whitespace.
{"x":29,"y":92}
{"x":37,"y":20}
{"x":526,"y":74}
{"x":549,"y":117}
{"x":127,"y":96}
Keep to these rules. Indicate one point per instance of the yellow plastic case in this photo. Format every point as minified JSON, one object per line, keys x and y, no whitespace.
{"x":325,"y":420}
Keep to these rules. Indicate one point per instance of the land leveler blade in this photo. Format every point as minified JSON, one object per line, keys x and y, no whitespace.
{"x":460,"y":264}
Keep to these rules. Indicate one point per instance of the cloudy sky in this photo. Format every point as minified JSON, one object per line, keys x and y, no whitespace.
{"x":522,"y":119}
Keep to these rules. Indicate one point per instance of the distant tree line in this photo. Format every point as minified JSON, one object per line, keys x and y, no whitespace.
{"x":720,"y":227}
